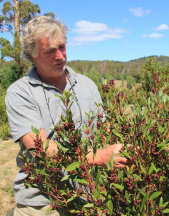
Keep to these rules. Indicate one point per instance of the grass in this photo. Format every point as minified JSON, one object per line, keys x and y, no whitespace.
{"x":8,"y":170}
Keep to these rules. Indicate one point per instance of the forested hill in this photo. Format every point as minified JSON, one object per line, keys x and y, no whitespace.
{"x":96,"y":70}
{"x":115,"y":69}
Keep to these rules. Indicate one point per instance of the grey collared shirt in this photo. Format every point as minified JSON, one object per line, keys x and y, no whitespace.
{"x":31,"y":102}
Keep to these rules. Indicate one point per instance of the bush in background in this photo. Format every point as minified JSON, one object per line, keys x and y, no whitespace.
{"x":140,"y":189}
{"x":4,"y":127}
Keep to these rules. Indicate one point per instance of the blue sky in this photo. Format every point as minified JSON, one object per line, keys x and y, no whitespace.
{"x":112,"y":29}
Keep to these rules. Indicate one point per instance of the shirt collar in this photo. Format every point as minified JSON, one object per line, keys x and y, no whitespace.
{"x":34,"y":78}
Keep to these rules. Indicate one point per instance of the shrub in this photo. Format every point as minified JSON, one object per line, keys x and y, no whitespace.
{"x":9,"y":73}
{"x":140,"y":189}
{"x":4,"y":127}
{"x":154,"y":76}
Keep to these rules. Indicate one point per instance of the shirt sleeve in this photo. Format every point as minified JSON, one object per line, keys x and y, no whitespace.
{"x":22,"y":112}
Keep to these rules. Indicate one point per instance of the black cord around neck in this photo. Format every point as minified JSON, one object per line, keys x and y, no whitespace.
{"x":74,"y":95}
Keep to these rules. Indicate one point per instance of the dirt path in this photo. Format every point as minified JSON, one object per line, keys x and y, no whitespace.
{"x":8,"y":170}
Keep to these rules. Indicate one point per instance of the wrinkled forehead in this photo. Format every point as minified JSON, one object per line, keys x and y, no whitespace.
{"x":52,"y":41}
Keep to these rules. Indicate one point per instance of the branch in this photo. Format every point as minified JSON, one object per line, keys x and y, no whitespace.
{"x":5,"y":17}
{"x":5,"y":30}
{"x":87,"y":173}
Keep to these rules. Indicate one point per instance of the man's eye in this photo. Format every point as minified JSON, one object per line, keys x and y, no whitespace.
{"x":51,"y":50}
{"x":62,"y":47}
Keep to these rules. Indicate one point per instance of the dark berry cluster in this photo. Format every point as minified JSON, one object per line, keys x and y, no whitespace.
{"x":106,"y":88}
{"x":99,"y":124}
{"x":87,"y":131}
{"x":158,"y":211}
{"x":130,"y":183}
{"x":69,"y":126}
{"x":148,"y":178}
{"x":98,"y":203}
{"x":100,"y":115}
{"x":80,"y":191}
{"x":125,"y":128}
{"x":58,"y":129}
{"x":156,"y":82}
{"x":38,"y":145}
{"x":54,"y":205}
{"x":113,"y":175}
{"x":27,"y":169}
{"x":72,"y":139}
{"x":38,"y":178}
{"x":111,"y":82}
{"x":120,"y":95}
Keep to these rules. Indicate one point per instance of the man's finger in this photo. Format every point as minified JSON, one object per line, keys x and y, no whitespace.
{"x":119,"y":159}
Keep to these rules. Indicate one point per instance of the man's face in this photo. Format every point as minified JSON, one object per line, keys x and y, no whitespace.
{"x":51,"y":57}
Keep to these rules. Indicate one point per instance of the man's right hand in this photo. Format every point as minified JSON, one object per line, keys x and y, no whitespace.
{"x":28,"y":141}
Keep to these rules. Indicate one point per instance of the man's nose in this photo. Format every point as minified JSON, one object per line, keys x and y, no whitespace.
{"x":58,"y":54}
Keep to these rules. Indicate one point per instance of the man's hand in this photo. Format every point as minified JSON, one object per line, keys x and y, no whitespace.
{"x":28,"y":141}
{"x":103,"y":156}
{"x":116,"y":149}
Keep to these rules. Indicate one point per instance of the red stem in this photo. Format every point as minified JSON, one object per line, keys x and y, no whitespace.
{"x":87,"y":173}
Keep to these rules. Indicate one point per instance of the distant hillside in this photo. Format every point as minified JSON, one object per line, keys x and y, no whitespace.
{"x":162,"y":59}
{"x":115,"y":69}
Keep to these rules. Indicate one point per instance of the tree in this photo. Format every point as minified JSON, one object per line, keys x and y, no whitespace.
{"x":14,"y":15}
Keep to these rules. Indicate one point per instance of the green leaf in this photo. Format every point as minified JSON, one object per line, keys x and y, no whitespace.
{"x":63,"y":192}
{"x":65,"y":178}
{"x":73,"y":166}
{"x":96,"y":195}
{"x":74,"y":211}
{"x":35,"y":130}
{"x":161,"y":202}
{"x":165,"y":204}
{"x":72,"y":198}
{"x":124,"y":153}
{"x":81,"y":181}
{"x":166,"y":211}
{"x":110,"y":206}
{"x":63,"y":135}
{"x":61,"y":98}
{"x":137,"y":177}
{"x":112,"y":159}
{"x":142,"y":168}
{"x":144,"y":201}
{"x":117,"y":134}
{"x":120,"y":187}
{"x":98,"y":176}
{"x":127,"y":197}
{"x":88,"y":205}
{"x":61,"y":147}
{"x":151,"y":169}
{"x":155,"y":195}
{"x":110,"y":163}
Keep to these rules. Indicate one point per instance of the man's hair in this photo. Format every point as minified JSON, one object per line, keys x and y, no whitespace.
{"x":40,"y":27}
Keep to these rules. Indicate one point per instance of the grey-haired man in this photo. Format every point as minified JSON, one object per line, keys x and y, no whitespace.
{"x":31,"y":101}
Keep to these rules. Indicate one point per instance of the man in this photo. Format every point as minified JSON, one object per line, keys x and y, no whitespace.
{"x":31,"y":101}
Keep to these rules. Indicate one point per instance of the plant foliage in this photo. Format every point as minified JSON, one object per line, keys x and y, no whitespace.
{"x":82,"y":189}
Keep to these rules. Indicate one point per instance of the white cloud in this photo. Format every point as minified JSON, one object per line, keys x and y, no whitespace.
{"x":162,"y":27}
{"x":153,"y":35}
{"x":86,"y":27}
{"x":93,"y":32}
{"x":139,"y":11}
